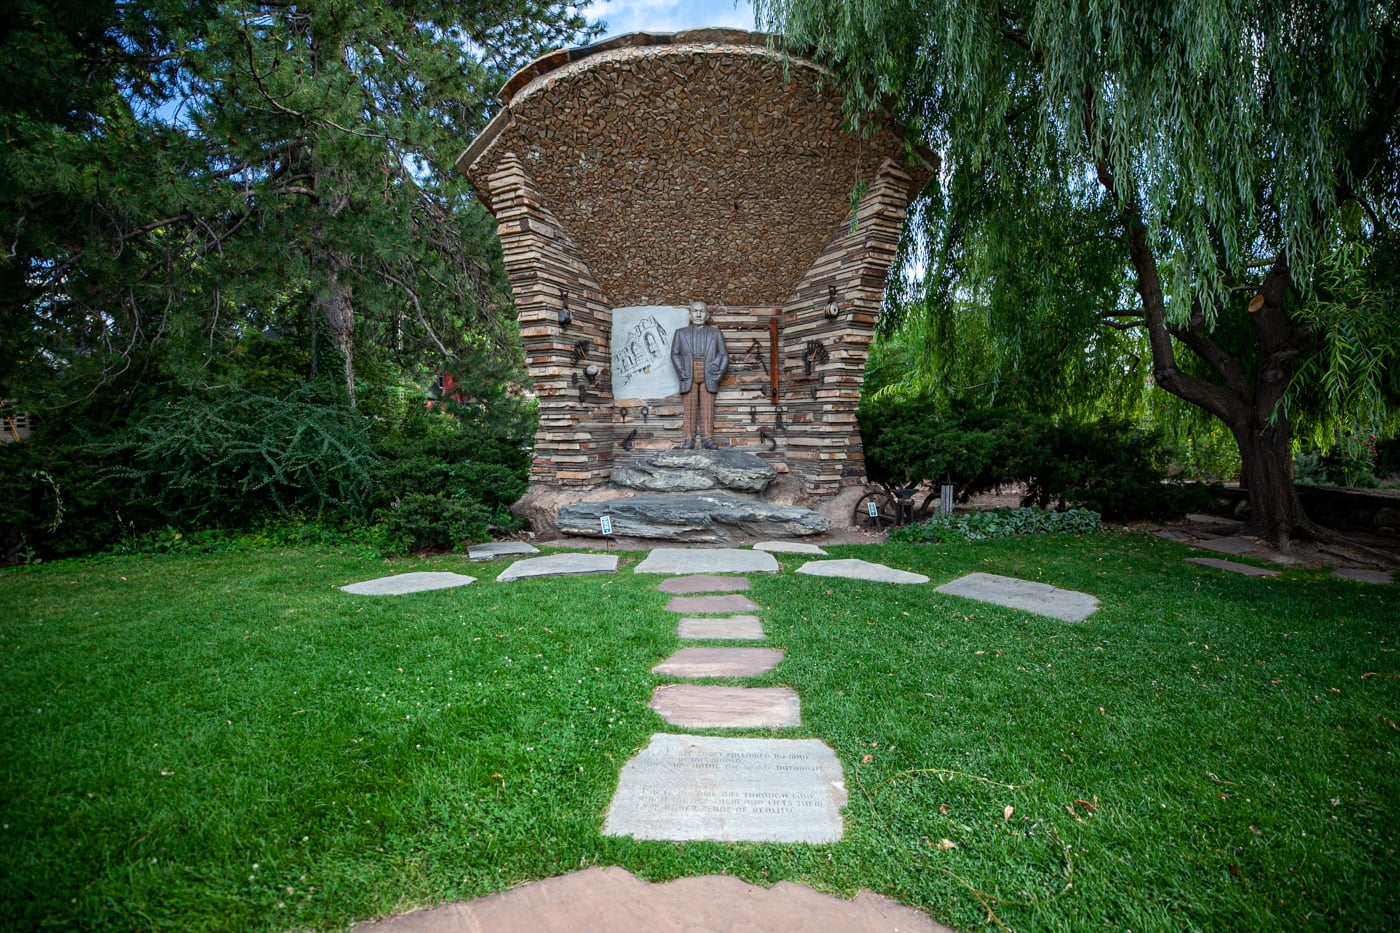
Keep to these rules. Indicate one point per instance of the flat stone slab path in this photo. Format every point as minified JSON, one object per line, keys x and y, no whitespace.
{"x":734,"y":628}
{"x":720,"y":662}
{"x":555,"y":565}
{"x":612,"y":900}
{"x":1039,"y":598}
{"x":1379,"y":577}
{"x":696,"y":707}
{"x":496,"y":549}
{"x":690,"y":787}
{"x":788,"y":547}
{"x":1231,"y":566}
{"x":707,"y":560}
{"x":860,"y":570}
{"x":703,"y":584}
{"x":711,"y":604}
{"x":402,"y":583}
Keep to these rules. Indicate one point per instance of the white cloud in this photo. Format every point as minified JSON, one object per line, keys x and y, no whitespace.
{"x":624,"y":16}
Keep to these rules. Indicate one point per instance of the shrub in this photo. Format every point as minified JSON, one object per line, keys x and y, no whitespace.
{"x":1108,"y":466}
{"x":226,"y":459}
{"x":54,"y":502}
{"x":418,"y":521}
{"x":1002,"y":523}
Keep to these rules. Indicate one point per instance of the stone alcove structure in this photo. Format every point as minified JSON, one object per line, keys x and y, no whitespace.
{"x":632,"y":177}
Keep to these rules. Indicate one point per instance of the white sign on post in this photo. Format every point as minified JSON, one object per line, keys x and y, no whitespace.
{"x":605,"y":522}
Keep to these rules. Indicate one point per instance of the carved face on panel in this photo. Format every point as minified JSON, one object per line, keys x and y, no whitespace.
{"x":699,"y":314}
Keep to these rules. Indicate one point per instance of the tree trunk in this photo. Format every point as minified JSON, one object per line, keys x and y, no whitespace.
{"x":1249,"y":407}
{"x":336,"y":307}
{"x":1266,"y":458}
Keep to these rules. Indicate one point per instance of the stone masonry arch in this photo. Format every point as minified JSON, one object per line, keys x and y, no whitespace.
{"x":650,"y":171}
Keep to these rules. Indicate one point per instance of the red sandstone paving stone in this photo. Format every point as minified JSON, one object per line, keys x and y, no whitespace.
{"x":612,"y":900}
{"x":703,"y":584}
{"x":720,"y":662}
{"x":711,"y":604}
{"x":695,"y":707}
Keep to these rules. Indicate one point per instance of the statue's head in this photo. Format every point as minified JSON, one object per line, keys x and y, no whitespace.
{"x":699,"y":313}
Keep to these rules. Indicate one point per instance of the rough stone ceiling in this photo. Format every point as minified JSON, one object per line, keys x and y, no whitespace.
{"x":694,"y":166}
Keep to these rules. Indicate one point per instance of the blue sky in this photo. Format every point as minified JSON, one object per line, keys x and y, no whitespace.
{"x":624,"y":16}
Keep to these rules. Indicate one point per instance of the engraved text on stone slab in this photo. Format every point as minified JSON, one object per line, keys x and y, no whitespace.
{"x":687,"y":787}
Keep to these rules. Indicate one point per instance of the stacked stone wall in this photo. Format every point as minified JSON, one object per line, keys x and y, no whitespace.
{"x":573,"y":444}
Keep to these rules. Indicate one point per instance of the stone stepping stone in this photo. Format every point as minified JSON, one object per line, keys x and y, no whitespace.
{"x":1237,"y":547}
{"x":691,"y":787}
{"x":702,"y":584}
{"x":788,"y":547}
{"x":712,"y":604}
{"x":402,"y":583}
{"x":1039,"y":598}
{"x":695,"y":707}
{"x":707,"y":560}
{"x":497,"y":549}
{"x":1231,"y":566}
{"x":860,"y":570}
{"x":720,"y":662}
{"x":1379,"y":577}
{"x":1201,"y":518}
{"x":555,"y":565}
{"x":734,"y":628}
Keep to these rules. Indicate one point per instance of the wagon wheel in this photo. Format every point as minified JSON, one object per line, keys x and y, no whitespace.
{"x":884,"y":514}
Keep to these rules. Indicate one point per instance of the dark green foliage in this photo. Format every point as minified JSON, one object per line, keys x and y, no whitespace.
{"x":1107,"y":465}
{"x":1001,"y":523}
{"x":54,"y":502}
{"x":1388,"y":457}
{"x":228,"y":458}
{"x":417,"y":520}
{"x":448,"y":475}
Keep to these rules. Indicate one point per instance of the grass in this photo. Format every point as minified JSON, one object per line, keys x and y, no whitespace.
{"x":227,"y":742}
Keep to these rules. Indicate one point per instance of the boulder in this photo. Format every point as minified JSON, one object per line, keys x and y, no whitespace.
{"x":695,"y":470}
{"x":707,"y":517}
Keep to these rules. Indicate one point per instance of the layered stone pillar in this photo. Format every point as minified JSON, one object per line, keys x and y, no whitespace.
{"x":574,"y":444}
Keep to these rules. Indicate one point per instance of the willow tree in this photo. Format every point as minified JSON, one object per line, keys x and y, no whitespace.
{"x":176,"y":174}
{"x":1245,"y":155}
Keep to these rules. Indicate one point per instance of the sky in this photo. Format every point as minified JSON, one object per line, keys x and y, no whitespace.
{"x":624,"y":16}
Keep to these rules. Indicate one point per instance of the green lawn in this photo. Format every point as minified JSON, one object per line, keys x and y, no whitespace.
{"x":228,"y":742}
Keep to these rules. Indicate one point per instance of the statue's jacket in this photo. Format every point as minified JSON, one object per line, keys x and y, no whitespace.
{"x":705,"y":344}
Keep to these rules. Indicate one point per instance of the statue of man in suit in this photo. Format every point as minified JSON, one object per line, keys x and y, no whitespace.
{"x":698,"y":354}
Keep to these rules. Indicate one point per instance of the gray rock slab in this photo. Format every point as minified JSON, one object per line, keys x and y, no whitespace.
{"x":720,"y":662}
{"x":690,"y":787}
{"x":554,"y":565}
{"x":691,"y":470}
{"x":496,"y":549}
{"x":1231,"y":566}
{"x":1039,"y":598}
{"x":1167,"y":534}
{"x":611,"y":900}
{"x":1230,"y":545}
{"x":788,"y":547}
{"x":1379,"y":577}
{"x":702,"y":584}
{"x":860,"y":570}
{"x":1201,"y":518}
{"x":713,"y":518}
{"x":694,"y":707}
{"x":402,"y":583}
{"x":712,"y":604}
{"x":733,"y":628}
{"x":679,"y":560}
